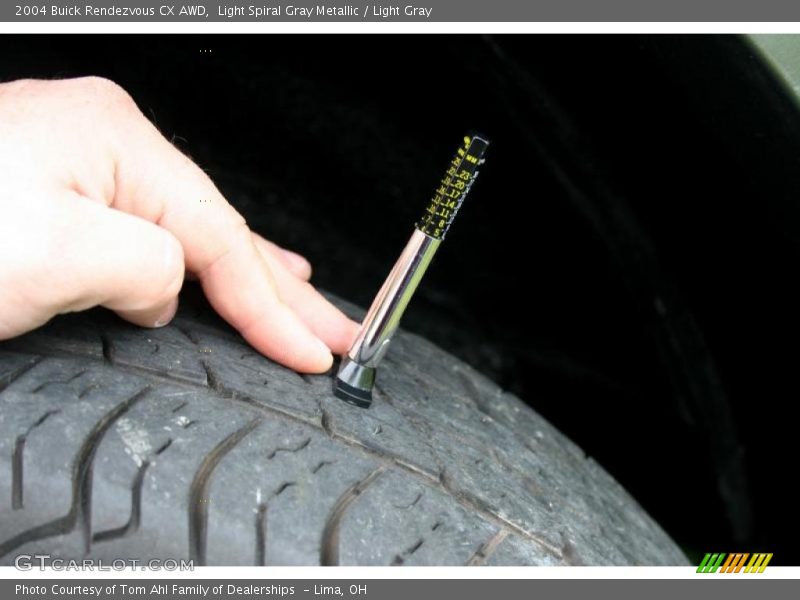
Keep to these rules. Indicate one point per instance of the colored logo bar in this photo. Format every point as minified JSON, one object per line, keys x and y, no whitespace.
{"x":734,"y":563}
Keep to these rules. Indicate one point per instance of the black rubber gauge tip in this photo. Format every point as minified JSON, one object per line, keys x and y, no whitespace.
{"x":351,"y":395}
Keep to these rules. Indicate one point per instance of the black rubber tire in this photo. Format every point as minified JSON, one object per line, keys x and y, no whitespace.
{"x":182,"y":442}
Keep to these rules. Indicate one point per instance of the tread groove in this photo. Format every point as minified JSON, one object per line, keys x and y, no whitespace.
{"x":568,"y":554}
{"x":16,"y":472}
{"x":188,"y":334}
{"x":17,"y":462}
{"x":108,"y":349}
{"x":483,"y":553}
{"x":214,"y":382}
{"x":283,"y":487}
{"x":198,"y":490}
{"x":134,"y":520}
{"x":325,"y":423}
{"x":329,"y":554}
{"x":16,"y":374}
{"x":85,"y":392}
{"x":77,"y":375}
{"x":81,"y":484}
{"x":416,"y":499}
{"x":322,"y":463}
{"x":400,"y":559}
{"x":261,"y":535}
{"x":301,"y":446}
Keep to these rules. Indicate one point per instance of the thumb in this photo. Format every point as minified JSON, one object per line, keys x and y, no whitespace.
{"x":119,"y":261}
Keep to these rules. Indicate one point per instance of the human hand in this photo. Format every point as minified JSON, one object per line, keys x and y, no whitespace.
{"x":98,"y":208}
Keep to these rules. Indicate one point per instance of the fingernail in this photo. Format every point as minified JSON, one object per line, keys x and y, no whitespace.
{"x":165,"y":317}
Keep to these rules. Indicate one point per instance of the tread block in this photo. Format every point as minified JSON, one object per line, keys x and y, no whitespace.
{"x":271,"y":495}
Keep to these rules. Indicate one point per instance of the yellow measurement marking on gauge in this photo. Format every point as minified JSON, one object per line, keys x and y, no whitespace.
{"x":453,"y":187}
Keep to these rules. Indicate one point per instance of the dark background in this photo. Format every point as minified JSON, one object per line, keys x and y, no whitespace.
{"x":626,"y":263}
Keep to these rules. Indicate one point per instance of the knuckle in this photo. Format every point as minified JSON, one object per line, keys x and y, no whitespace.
{"x":100,"y":86}
{"x":17,"y":85}
{"x":105,"y":93}
{"x":24,"y":97}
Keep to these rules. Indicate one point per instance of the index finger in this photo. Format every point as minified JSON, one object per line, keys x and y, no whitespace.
{"x":155,"y":181}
